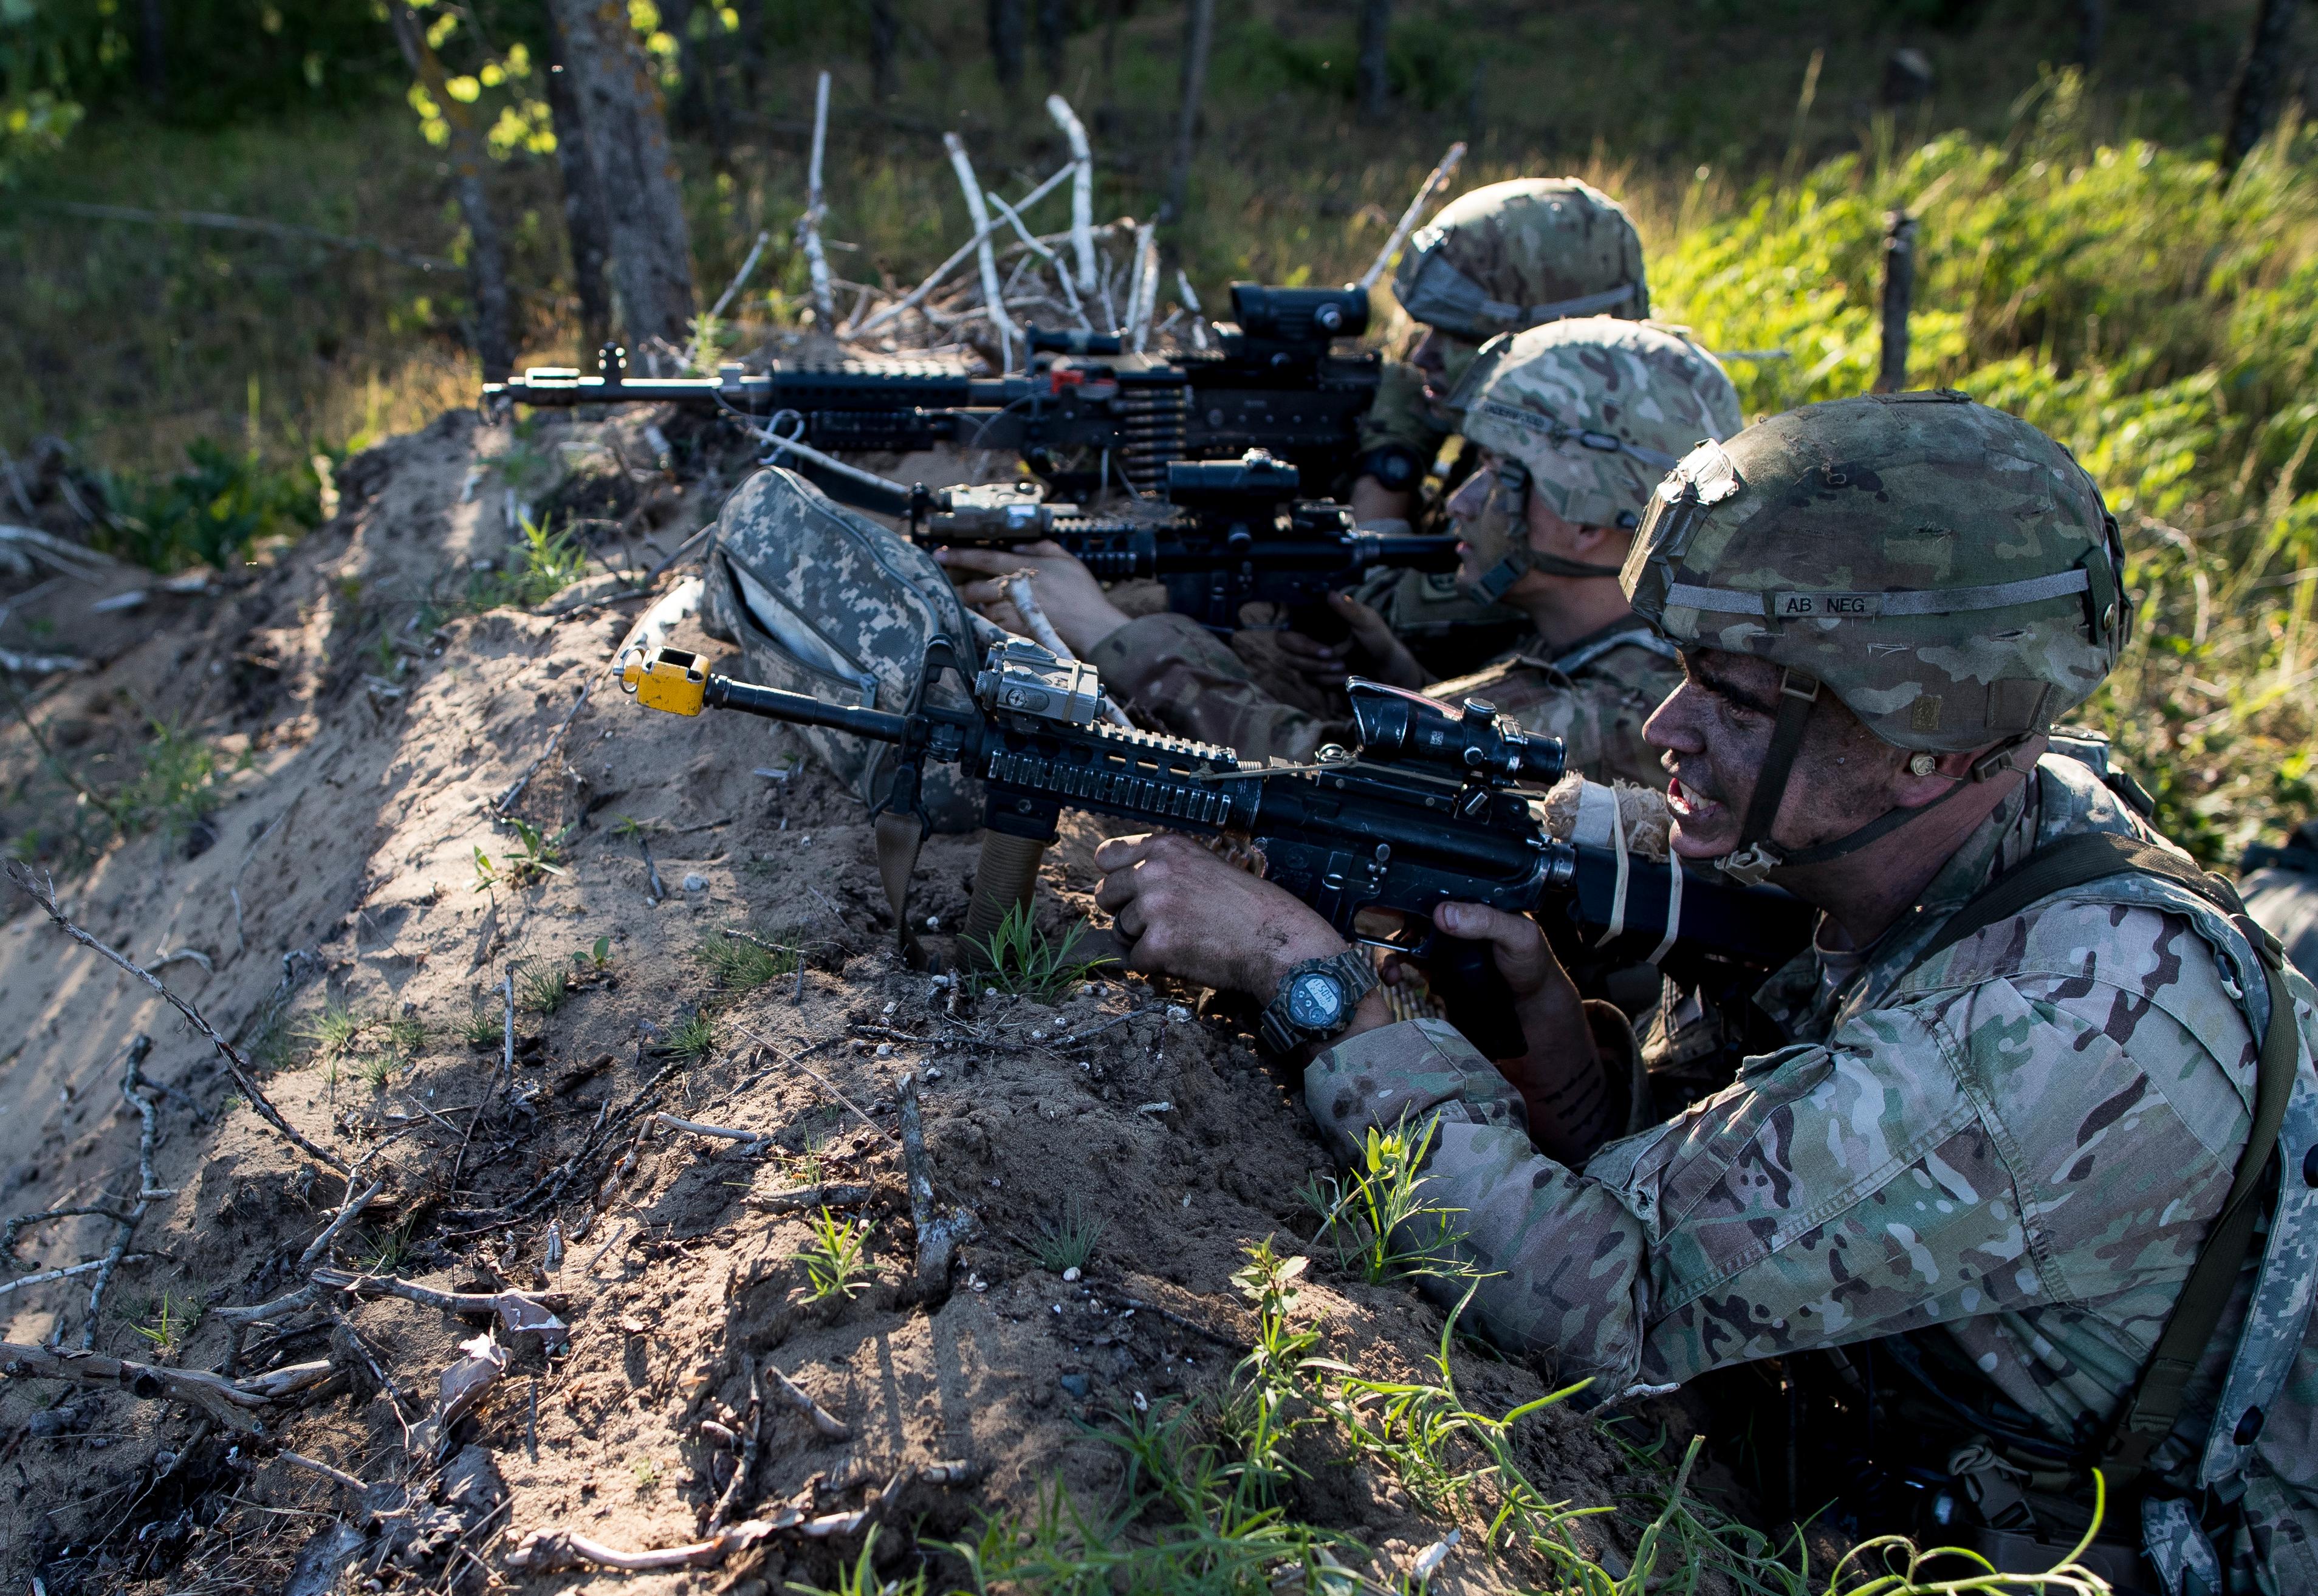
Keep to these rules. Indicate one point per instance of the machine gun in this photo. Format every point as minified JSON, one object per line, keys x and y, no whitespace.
{"x":1087,"y":418}
{"x":1432,"y":806}
{"x":1237,"y":533}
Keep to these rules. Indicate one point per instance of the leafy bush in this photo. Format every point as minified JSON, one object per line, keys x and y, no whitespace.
{"x":210,"y":513}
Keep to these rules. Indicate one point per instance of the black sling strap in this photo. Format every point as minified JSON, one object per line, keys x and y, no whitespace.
{"x":2148,"y":1416}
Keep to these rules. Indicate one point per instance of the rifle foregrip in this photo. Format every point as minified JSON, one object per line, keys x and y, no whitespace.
{"x":1464,"y":975}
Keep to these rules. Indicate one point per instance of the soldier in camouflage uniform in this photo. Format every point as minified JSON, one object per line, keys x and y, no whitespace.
{"x":1503,"y":258}
{"x":2281,"y":891}
{"x":1574,"y":422}
{"x":2042,"y":1078}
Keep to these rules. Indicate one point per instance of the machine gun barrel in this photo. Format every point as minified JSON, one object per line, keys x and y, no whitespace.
{"x":1433,"y":807}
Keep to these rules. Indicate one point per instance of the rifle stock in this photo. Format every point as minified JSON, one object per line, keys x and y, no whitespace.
{"x":1433,"y":806}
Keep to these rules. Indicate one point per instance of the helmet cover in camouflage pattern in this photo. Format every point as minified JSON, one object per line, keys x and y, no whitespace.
{"x":1597,"y":409}
{"x":1947,"y":569}
{"x":1512,"y":254}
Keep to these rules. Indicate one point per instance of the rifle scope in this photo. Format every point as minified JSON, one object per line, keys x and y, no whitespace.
{"x":1471,"y":740}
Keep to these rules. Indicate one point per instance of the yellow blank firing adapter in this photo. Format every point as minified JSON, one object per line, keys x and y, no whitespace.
{"x":667,"y":679}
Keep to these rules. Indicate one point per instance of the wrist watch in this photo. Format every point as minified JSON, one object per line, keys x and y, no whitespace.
{"x":1315,"y":1000}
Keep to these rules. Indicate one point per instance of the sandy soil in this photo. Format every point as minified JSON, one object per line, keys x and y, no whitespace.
{"x":339,"y":877}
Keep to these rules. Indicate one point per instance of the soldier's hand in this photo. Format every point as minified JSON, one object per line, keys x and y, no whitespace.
{"x":1189,"y":914}
{"x":1370,"y":649}
{"x":1560,"y":1076}
{"x":1066,"y":591}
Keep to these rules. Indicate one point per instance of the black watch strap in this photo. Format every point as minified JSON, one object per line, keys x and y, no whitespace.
{"x":1355,"y":977}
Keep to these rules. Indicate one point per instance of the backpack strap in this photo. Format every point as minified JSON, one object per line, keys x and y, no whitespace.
{"x":2148,"y":1416}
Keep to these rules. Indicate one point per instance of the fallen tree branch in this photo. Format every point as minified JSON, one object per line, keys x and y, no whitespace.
{"x":984,"y":229}
{"x":799,"y":1398}
{"x":22,"y":1222}
{"x":220,"y":222}
{"x":319,"y":1247}
{"x":41,"y":664}
{"x":551,"y":1551}
{"x":517,"y":1310}
{"x":809,"y":225}
{"x":229,"y":1404}
{"x":66,"y":1273}
{"x":938,"y":1234}
{"x":42,"y":891}
{"x":546,"y":754}
{"x":316,"y":1466}
{"x":698,"y":1129}
{"x":746,"y":1465}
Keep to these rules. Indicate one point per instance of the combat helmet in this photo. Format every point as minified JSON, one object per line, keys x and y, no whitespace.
{"x":1512,"y":255}
{"x":1591,"y":413}
{"x":1947,"y":572}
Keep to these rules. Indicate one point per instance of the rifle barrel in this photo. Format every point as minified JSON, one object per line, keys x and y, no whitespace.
{"x":804,"y":710}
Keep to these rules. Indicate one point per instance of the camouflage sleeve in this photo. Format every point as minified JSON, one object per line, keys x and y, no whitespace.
{"x":1176,"y":672}
{"x":1974,"y":1157}
{"x":1597,"y":716}
{"x":1401,"y":414}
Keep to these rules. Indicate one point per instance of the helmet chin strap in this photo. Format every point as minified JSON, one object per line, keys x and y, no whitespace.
{"x":1501,"y":524}
{"x":1756,"y":856}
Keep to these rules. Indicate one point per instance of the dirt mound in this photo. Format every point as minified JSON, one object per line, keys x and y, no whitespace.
{"x":687,"y":922}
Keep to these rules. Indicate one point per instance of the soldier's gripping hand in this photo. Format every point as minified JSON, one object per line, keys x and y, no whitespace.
{"x":1369,"y":650}
{"x":1082,"y":614}
{"x":1187,"y":913}
{"x":1564,"y":1076}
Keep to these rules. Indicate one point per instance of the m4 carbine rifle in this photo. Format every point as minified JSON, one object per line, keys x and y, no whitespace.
{"x":1234,"y":532}
{"x":1087,"y":418}
{"x":1433,"y":806}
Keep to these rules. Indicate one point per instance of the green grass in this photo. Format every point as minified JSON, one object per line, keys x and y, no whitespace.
{"x":836,"y":1260}
{"x":169,"y":1320}
{"x":694,"y":1037}
{"x":483,"y":1026}
{"x":544,"y":989}
{"x":535,"y":571}
{"x":741,"y":963}
{"x":1375,"y":1217}
{"x":1022,"y":961}
{"x":1068,"y":1240}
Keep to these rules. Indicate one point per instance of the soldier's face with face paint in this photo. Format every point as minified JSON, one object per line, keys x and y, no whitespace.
{"x":1443,"y":359}
{"x":1713,"y":733}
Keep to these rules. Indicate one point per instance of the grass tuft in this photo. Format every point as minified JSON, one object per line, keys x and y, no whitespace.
{"x":543,"y":991}
{"x":742,"y":964}
{"x":836,"y":1262}
{"x":1068,"y":1241}
{"x":1022,"y":961}
{"x":693,"y":1038}
{"x":1375,"y":1218}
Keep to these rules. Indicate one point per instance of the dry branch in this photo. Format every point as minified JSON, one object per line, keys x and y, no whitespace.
{"x":229,"y":1404}
{"x":938,"y":1234}
{"x":809,"y":225}
{"x":517,"y":1310}
{"x":698,"y":1129}
{"x":42,"y":891}
{"x":1432,"y":186}
{"x":1082,"y":169}
{"x":319,"y":1247}
{"x":532,"y":769}
{"x":993,"y":298}
{"x":551,"y":1551}
{"x":747,"y":1463}
{"x":825,"y":1422}
{"x":917,"y":296}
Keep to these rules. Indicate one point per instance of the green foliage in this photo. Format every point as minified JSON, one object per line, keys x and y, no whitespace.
{"x":1068,"y":1240}
{"x":544,"y":565}
{"x":741,"y":963}
{"x":1022,"y":961}
{"x":382,"y":1253}
{"x":597,"y":957}
{"x":169,"y":1320}
{"x":175,"y":787}
{"x":543,"y":991}
{"x":211,"y":514}
{"x":861,"y":1579}
{"x":483,"y":1028}
{"x":836,"y":1263}
{"x":693,"y":1037}
{"x":2157,"y":321}
{"x":375,"y":1046}
{"x":1376,"y":1219}
{"x":543,"y":856}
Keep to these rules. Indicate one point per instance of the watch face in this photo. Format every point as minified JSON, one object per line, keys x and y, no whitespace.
{"x":1316,"y":998}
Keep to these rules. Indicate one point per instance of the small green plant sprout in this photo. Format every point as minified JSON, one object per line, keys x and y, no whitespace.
{"x":177,"y":787}
{"x":1066,"y":1242}
{"x":542,"y":853}
{"x":693,"y":1038}
{"x":740,"y":963}
{"x":836,"y":1263}
{"x":1022,"y":961}
{"x":546,"y":563}
{"x":482,"y":1028}
{"x":647,"y":1474}
{"x":376,"y":1070}
{"x":382,"y":1253}
{"x":598,"y":958}
{"x":627,"y":826}
{"x":487,"y":874}
{"x":169,"y":1320}
{"x":406,"y":1034}
{"x":544,"y":990}
{"x":1377,"y":1219}
{"x":862,"y":1579}
{"x":1273,"y":1394}
{"x":334,"y":1031}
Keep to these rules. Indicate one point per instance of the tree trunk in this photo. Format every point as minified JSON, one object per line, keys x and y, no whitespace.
{"x":1005,"y":20}
{"x":583,"y":200}
{"x":1199,"y":38}
{"x":2254,"y":98}
{"x":1054,"y":36}
{"x":626,"y":136}
{"x":752,"y":52}
{"x":152,"y":52}
{"x":1375,"y":69}
{"x":2092,"y":27}
{"x":487,"y":279}
{"x":884,"y":33}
